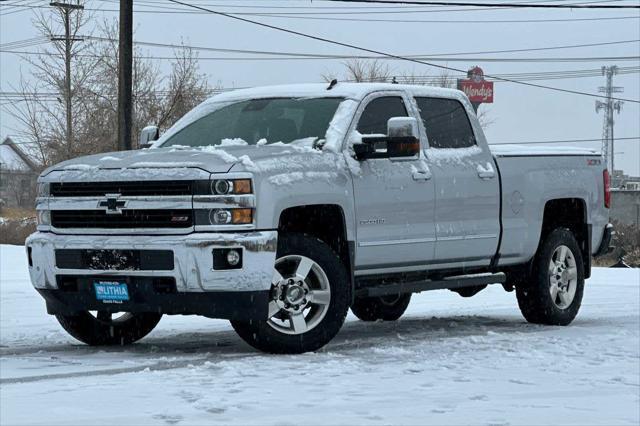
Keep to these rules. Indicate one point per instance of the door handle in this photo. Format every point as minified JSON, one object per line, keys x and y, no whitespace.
{"x":421,"y":175}
{"x":486,"y":172}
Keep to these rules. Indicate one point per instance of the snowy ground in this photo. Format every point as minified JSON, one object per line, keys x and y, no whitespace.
{"x":448,"y":361}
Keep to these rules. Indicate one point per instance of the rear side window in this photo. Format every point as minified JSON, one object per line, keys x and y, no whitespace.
{"x":446,"y":123}
{"x":378,"y":112}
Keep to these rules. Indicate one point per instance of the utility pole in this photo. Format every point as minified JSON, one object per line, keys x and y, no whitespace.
{"x":609,"y":106}
{"x":66,"y":9}
{"x":125,"y":79}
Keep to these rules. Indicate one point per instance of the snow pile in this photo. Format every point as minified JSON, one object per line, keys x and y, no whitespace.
{"x":164,"y":164}
{"x":221,"y":153}
{"x":233,"y":142}
{"x":514,"y":149}
{"x":339,"y":125}
{"x":80,"y":167}
{"x":487,"y":168}
{"x":289,"y":178}
{"x":452,"y":155}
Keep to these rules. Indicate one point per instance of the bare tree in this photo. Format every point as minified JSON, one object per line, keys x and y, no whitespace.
{"x":186,"y":88}
{"x":41,"y":110}
{"x":361,"y":71}
{"x":50,"y":101}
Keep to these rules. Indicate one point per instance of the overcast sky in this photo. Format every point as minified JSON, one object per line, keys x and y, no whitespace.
{"x":520,"y":113}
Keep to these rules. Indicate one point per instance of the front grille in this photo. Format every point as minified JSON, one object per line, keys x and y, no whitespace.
{"x":115,"y":260}
{"x":128,"y":219}
{"x":131,"y":189}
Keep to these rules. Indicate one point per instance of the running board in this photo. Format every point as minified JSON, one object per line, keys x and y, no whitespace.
{"x":459,"y":281}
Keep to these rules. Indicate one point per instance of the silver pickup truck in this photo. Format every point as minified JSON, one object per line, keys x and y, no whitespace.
{"x":280,"y":208}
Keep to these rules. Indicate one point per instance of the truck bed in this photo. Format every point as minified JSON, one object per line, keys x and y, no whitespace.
{"x":531,"y":176}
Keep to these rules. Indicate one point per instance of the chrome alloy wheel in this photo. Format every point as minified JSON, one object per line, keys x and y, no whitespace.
{"x":563,"y":277}
{"x":300,"y":295}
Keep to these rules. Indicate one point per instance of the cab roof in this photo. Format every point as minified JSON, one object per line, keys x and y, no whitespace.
{"x":355,"y":91}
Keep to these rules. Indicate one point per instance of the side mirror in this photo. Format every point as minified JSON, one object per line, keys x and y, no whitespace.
{"x":401,"y":141}
{"x":148,"y":135}
{"x":402,"y":127}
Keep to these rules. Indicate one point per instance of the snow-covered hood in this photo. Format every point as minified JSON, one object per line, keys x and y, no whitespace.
{"x":209,"y":159}
{"x":214,"y":162}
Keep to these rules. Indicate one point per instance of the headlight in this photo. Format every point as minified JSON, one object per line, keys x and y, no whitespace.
{"x":224,"y":217}
{"x":43,"y":217}
{"x":223,"y":187}
{"x":43,"y":189}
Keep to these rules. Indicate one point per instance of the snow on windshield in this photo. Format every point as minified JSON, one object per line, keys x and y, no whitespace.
{"x":251,"y":121}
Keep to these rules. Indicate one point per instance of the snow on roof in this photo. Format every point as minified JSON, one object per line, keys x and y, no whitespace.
{"x":356,"y":91}
{"x":13,"y":158}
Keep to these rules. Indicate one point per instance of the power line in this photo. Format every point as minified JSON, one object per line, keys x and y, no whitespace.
{"x":357,"y":6}
{"x":156,"y":8}
{"x":329,"y":56}
{"x":372,"y":9}
{"x":496,"y":5}
{"x":456,"y":21}
{"x":8,"y":47}
{"x":377,"y":52}
{"x":358,"y":57}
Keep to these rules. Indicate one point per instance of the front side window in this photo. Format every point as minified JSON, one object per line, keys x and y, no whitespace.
{"x":377,"y":113}
{"x":274,"y":120}
{"x":446,"y":123}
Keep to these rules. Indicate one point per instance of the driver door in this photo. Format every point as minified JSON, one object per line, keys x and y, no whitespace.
{"x":394,"y":198}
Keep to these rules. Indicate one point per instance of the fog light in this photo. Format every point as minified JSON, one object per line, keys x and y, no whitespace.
{"x":233,"y":257}
{"x":227,"y":258}
{"x":220,"y":217}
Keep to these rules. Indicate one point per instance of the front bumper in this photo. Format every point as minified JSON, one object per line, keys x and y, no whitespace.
{"x":199,"y":289}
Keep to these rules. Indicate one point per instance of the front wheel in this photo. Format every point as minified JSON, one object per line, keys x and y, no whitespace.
{"x":553,"y":293}
{"x":105,"y":328}
{"x":310,"y":296}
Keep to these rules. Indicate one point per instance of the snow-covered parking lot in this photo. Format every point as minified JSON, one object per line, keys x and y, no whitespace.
{"x":449,"y":360}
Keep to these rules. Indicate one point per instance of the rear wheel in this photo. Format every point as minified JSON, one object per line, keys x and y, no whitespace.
{"x":553,"y":294}
{"x":386,"y":308}
{"x":104,"y":328}
{"x":309,"y":299}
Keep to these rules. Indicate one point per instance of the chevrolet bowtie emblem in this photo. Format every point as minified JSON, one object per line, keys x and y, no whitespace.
{"x":112,"y":205}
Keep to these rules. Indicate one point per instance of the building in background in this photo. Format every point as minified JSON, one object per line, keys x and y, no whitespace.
{"x":18,"y":174}
{"x":625,"y":182}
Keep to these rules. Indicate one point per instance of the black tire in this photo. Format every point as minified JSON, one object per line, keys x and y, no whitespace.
{"x":385,"y":308}
{"x":123,"y":330}
{"x":262,"y":336}
{"x":534,"y":296}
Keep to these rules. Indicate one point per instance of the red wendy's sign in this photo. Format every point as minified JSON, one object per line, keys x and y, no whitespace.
{"x":476,"y":88}
{"x":481,"y":92}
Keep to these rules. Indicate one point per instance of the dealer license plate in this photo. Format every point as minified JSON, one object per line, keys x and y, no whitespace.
{"x":110,"y":291}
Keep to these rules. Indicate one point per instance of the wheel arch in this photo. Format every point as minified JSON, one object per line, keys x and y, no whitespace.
{"x":328,"y":223}
{"x":570,"y":213}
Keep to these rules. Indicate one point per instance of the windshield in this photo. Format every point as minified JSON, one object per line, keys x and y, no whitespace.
{"x":274,"y":120}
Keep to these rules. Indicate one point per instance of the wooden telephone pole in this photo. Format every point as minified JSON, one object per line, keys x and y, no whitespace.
{"x":125,"y":79}
{"x":66,"y":9}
